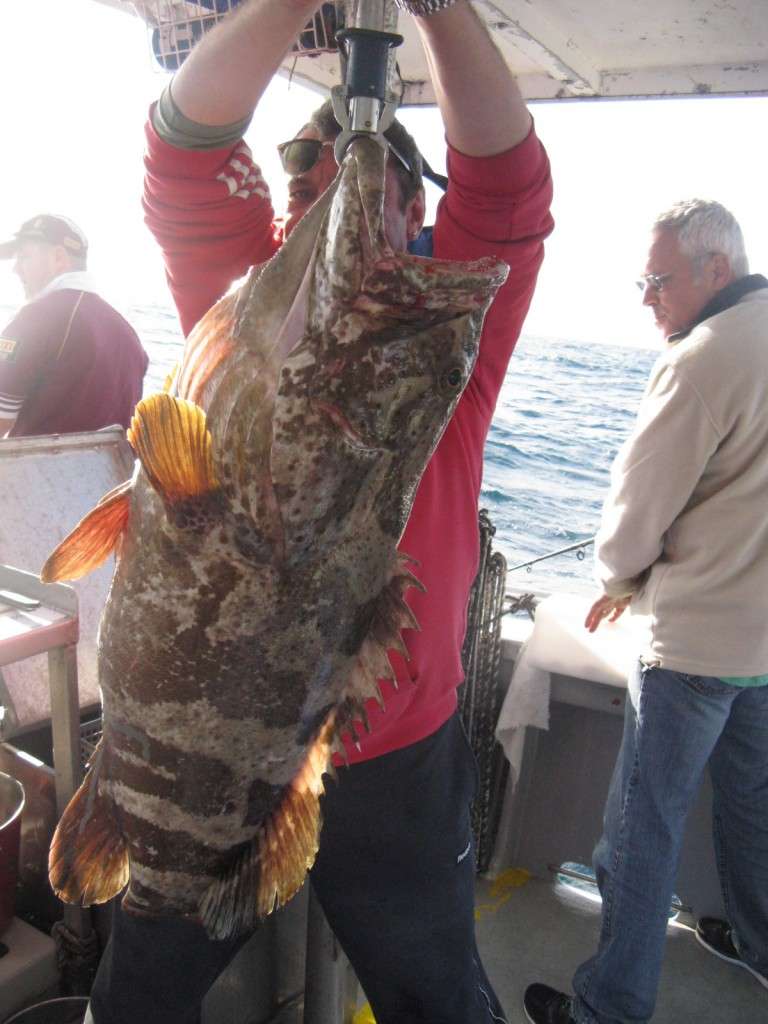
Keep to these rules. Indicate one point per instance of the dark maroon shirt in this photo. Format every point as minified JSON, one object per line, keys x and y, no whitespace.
{"x":69,"y":362}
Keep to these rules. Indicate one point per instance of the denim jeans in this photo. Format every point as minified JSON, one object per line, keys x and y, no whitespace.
{"x":674,"y":725}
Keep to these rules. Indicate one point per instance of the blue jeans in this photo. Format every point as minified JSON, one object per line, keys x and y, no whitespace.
{"x":674,"y":725}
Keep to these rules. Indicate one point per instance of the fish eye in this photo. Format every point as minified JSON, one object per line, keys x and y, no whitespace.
{"x":453,"y":378}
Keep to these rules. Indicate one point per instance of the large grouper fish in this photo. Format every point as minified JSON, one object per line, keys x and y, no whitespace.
{"x":258,"y":584}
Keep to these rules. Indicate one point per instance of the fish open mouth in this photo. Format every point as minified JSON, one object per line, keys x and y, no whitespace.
{"x":342,"y":424}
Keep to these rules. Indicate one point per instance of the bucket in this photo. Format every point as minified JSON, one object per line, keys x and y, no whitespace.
{"x":11,"y":806}
{"x":66,"y":1010}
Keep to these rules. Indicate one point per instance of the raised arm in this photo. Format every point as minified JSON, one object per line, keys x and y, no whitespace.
{"x":500,"y":189}
{"x":479,"y":99}
{"x":205,"y":199}
{"x":226,"y":74}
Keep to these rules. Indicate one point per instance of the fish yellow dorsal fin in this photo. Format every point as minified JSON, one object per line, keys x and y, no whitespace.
{"x":92,"y":540}
{"x":173,"y":443}
{"x":273,"y":867}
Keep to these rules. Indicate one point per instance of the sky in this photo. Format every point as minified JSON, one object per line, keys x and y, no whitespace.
{"x":77,"y":78}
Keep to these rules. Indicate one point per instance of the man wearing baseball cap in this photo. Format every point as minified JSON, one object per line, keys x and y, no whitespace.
{"x":68,"y":361}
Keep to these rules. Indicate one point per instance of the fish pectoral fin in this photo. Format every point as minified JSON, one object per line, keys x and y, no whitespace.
{"x":93,"y":539}
{"x":171,"y":438}
{"x":88,"y":860}
{"x":272,"y":868}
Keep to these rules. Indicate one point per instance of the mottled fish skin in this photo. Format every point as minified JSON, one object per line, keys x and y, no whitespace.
{"x":247,"y":624}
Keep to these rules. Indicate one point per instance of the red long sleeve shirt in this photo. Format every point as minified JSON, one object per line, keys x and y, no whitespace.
{"x":212,"y":216}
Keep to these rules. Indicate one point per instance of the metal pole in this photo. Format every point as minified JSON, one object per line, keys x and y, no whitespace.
{"x":65,"y":722}
{"x":327,"y":996}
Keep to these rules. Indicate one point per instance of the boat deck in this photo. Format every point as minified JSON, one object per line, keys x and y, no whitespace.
{"x":528,"y":933}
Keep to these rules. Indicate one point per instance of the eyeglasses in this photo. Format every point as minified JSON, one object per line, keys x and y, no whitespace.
{"x":300,"y":155}
{"x":654,"y":281}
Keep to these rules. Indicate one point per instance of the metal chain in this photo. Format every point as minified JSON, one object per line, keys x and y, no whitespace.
{"x":481,"y":695}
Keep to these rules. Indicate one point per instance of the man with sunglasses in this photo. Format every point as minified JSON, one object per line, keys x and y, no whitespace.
{"x":684,"y":542}
{"x":395,"y":871}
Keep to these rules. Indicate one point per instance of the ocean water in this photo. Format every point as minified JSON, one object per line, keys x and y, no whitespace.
{"x":564,"y":410}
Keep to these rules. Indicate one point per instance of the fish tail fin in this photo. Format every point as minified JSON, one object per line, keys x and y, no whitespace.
{"x":88,"y":860}
{"x":93,"y":539}
{"x":272,"y":868}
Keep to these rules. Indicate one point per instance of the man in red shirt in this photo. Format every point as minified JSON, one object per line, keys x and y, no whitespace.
{"x":68,"y":360}
{"x":395,"y":872}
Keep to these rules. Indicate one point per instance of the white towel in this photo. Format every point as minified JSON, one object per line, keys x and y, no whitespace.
{"x":560,"y":643}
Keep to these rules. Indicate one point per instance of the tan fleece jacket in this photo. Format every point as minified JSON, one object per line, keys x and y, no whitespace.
{"x":685,"y":525}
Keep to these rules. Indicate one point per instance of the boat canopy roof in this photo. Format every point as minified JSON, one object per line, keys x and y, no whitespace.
{"x":565,"y":49}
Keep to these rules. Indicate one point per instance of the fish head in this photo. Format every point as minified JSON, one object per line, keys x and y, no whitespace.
{"x":350,"y":431}
{"x":388,"y":348}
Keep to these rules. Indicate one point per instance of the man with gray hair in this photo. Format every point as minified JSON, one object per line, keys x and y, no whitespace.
{"x":684,"y":542}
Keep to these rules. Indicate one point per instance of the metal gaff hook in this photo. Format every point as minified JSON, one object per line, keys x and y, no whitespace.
{"x":364,"y":105}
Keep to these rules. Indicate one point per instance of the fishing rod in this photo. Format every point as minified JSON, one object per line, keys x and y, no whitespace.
{"x":514,"y":603}
{"x":578,"y":548}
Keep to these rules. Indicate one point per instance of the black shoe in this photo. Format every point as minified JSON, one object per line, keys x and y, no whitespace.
{"x":715,"y":935}
{"x":545,"y":1005}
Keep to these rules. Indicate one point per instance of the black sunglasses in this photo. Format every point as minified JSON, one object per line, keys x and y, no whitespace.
{"x":300,"y":155}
